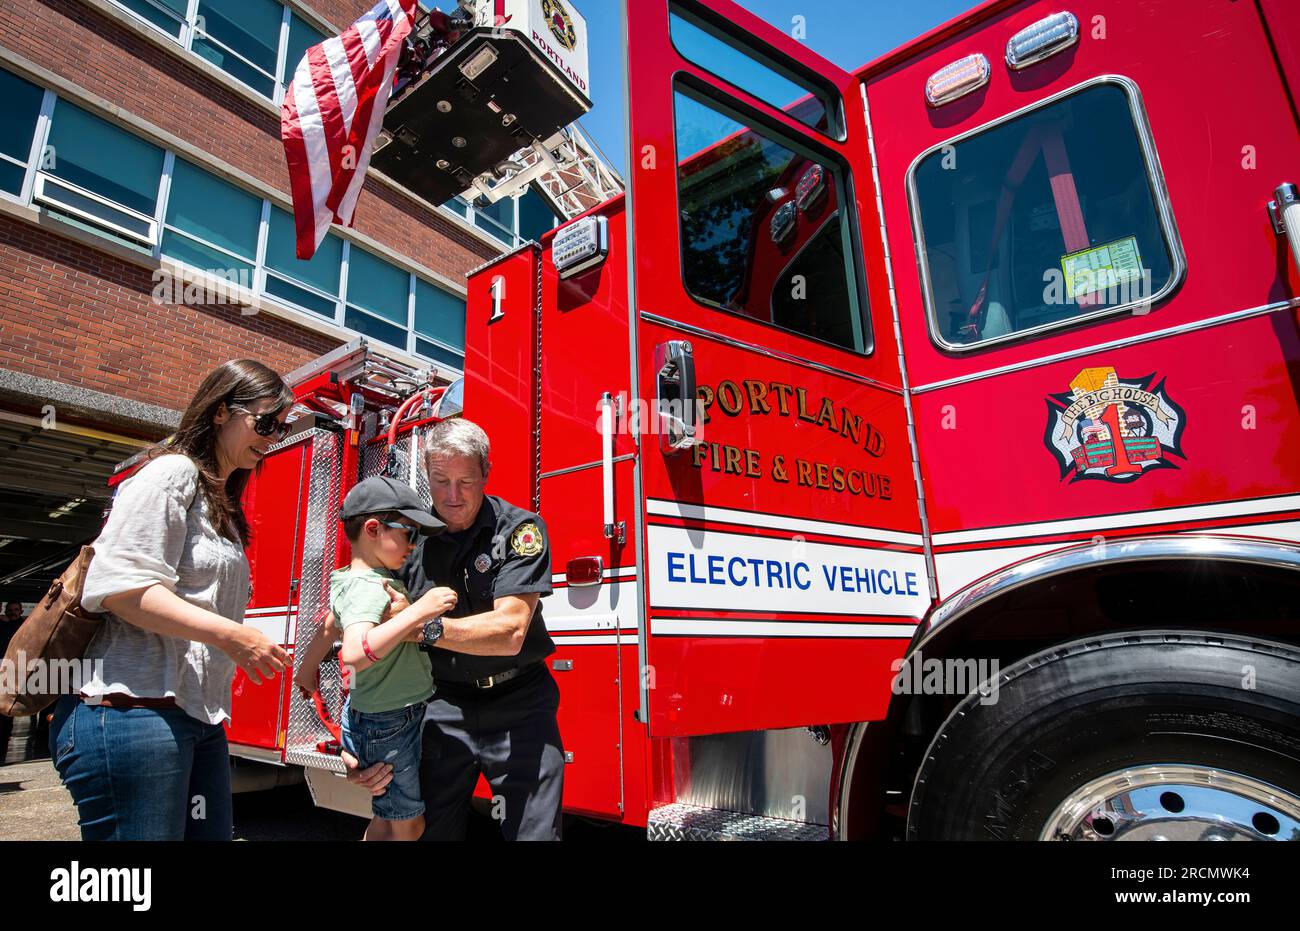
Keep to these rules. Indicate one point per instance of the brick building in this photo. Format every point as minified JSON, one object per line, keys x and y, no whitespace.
{"x":146,"y":236}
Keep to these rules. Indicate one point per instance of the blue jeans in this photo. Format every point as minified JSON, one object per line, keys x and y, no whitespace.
{"x":142,"y":773}
{"x":391,"y":737}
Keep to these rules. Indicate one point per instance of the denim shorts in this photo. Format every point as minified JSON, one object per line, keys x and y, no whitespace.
{"x":391,"y":737}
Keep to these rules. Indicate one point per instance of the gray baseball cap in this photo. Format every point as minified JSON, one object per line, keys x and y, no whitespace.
{"x":379,"y":494}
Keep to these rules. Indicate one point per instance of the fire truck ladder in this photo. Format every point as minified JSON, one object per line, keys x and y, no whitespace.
{"x":569,"y":169}
{"x":364,"y":366}
{"x":359,"y":385}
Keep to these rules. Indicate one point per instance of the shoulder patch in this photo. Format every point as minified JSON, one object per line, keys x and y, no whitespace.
{"x":527,"y":540}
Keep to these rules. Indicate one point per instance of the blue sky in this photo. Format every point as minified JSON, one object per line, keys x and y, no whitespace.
{"x":848,"y":32}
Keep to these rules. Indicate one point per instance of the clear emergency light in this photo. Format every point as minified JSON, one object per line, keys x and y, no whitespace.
{"x":957,"y":80}
{"x":492,"y":79}
{"x":1042,"y":39}
{"x":581,"y":245}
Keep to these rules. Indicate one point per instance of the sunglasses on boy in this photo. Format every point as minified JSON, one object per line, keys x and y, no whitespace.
{"x":265,"y":424}
{"x":406,"y":528}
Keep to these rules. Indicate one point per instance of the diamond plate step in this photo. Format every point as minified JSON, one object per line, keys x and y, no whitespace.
{"x":680,"y":821}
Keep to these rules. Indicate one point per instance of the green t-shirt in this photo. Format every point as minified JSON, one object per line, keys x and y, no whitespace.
{"x":405,"y":675}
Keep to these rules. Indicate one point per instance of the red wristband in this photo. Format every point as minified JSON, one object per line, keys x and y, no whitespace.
{"x":365,"y":646}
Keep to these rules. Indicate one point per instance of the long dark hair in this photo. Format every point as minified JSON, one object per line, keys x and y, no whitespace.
{"x":240,"y":382}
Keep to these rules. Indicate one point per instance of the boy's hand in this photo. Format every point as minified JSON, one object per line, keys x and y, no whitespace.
{"x":397,"y":602}
{"x":436,"y":602}
{"x":307,"y":679}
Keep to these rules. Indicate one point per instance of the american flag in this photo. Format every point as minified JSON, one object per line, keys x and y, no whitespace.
{"x":332,"y":112}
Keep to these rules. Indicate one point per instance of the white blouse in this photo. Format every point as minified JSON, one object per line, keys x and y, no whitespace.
{"x":158,"y":533}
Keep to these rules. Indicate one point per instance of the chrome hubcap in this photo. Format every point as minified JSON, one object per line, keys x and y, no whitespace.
{"x":1175,"y":801}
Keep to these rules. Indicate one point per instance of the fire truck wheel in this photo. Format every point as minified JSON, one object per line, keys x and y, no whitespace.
{"x":1137,"y":736}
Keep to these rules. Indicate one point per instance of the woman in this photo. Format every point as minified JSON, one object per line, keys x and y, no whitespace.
{"x":143,"y":750}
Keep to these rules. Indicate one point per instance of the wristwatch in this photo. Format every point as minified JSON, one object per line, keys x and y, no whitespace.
{"x":432,"y":632}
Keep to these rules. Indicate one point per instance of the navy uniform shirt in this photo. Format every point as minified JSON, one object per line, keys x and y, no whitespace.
{"x":505,"y":552}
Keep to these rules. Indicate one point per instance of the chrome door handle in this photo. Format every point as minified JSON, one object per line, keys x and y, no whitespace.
{"x":1284,"y":211}
{"x":608,"y":412}
{"x":675,"y":395}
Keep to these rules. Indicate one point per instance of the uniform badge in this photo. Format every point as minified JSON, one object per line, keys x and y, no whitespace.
{"x":527,"y":540}
{"x":482,"y":562}
{"x":1114,"y":429}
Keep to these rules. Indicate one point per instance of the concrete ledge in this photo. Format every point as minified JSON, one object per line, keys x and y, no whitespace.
{"x":70,"y":400}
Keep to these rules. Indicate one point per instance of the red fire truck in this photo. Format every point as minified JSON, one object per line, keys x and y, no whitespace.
{"x":920,"y":446}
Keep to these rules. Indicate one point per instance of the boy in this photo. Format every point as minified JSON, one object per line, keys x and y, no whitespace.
{"x":391,"y":678}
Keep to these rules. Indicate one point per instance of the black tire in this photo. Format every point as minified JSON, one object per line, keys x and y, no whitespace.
{"x":1084,"y":709}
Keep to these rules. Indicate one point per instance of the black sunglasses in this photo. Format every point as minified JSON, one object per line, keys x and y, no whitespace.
{"x":265,"y":424}
{"x":407,"y":528}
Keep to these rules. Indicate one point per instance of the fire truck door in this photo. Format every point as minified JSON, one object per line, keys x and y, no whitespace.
{"x":780,"y":532}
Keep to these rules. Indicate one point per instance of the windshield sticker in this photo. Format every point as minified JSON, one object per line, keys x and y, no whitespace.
{"x":1102,"y":268}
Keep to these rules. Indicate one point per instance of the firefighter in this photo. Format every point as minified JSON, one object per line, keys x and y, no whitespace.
{"x":494,"y":706}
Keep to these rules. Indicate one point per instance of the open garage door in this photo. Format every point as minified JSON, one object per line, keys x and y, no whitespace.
{"x":53,"y":492}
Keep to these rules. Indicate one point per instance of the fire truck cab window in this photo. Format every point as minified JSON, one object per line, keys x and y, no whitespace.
{"x":763,"y":232}
{"x":1045,"y":218}
{"x":769,"y":81}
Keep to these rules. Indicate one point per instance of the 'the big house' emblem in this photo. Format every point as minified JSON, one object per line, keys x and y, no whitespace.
{"x":1113,"y":428}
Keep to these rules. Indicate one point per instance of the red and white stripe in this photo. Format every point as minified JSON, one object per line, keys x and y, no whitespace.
{"x":962,"y":557}
{"x":332,"y":111}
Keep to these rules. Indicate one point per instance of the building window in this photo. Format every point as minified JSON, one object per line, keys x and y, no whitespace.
{"x":167,"y":15}
{"x":378,"y":296}
{"x":312,"y":285}
{"x":441,"y":354}
{"x":94,"y":173}
{"x":498,"y":219}
{"x":511,"y":220}
{"x":242,"y":38}
{"x":258,"y":42}
{"x":301,"y":37}
{"x":210,"y":224}
{"x":535,"y":216}
{"x":103,"y":179}
{"x":377,"y":292}
{"x":439,"y":315}
{"x":20,"y":107}
{"x":439,"y":325}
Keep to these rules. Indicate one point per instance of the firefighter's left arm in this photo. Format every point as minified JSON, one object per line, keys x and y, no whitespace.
{"x":499,"y":632}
